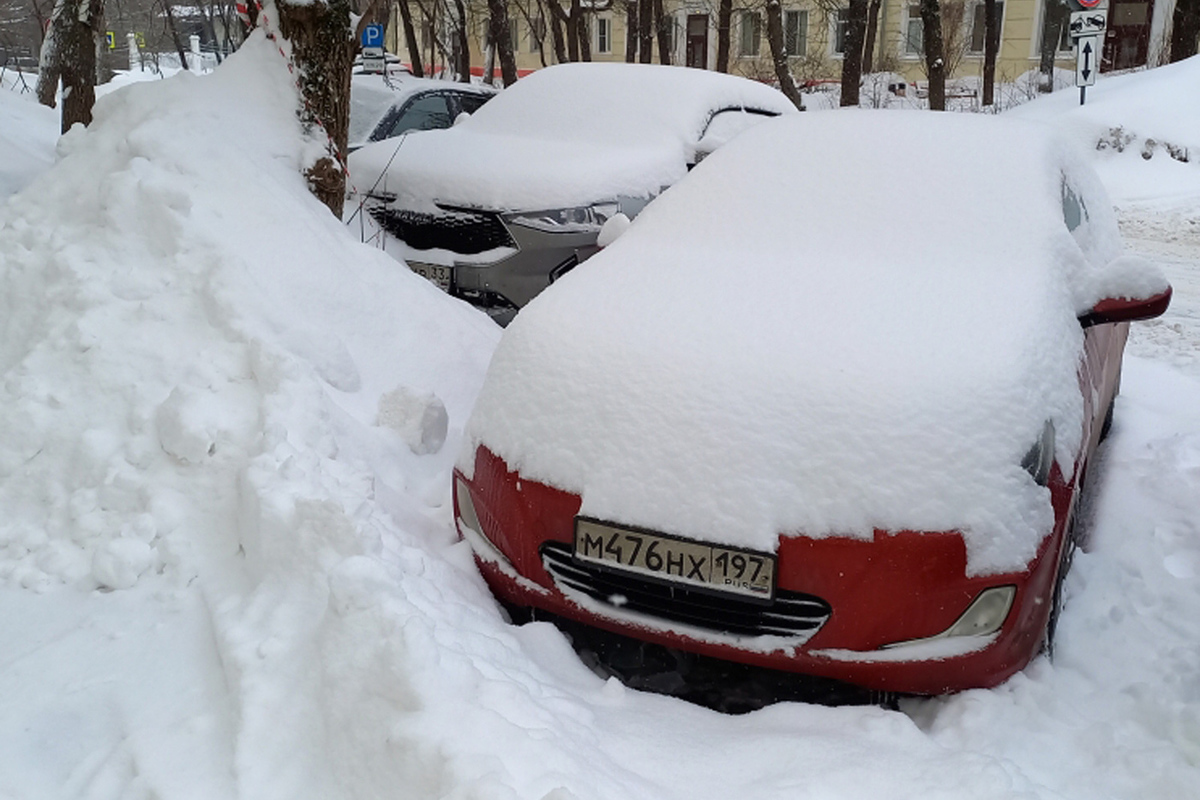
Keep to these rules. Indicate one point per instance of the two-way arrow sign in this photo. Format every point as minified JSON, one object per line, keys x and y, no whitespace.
{"x":1087,"y":52}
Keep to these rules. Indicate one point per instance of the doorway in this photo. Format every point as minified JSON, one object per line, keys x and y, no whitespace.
{"x":1127,"y":40}
{"x":697,"y":41}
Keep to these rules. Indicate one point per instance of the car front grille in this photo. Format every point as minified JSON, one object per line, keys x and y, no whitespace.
{"x":458,"y":230}
{"x":791,"y":614}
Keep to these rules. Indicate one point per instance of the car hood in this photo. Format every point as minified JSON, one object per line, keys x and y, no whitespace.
{"x":474,"y":169}
{"x":827,"y":343}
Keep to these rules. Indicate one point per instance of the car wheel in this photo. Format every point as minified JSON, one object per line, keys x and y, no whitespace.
{"x":1056,"y":599}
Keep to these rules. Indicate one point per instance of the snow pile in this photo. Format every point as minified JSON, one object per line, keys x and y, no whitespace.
{"x":733,"y":370}
{"x":27,"y":131}
{"x":308,"y":628}
{"x":1143,"y":126}
{"x":567,"y":135}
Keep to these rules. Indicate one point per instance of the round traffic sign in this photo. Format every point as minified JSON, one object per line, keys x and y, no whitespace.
{"x":1089,"y":3}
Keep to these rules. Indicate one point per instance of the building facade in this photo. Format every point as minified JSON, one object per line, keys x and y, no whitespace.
{"x":814,"y":33}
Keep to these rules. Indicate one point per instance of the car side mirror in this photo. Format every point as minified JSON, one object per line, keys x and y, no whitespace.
{"x":1124,"y":309}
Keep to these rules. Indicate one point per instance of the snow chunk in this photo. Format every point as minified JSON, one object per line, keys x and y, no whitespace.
{"x":119,"y":563}
{"x":421,"y":419}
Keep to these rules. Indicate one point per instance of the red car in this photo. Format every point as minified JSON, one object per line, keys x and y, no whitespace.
{"x":826,"y":407}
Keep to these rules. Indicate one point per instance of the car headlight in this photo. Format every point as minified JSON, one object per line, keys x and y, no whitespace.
{"x":566,"y":220}
{"x":1040,"y":458}
{"x":983,"y":617}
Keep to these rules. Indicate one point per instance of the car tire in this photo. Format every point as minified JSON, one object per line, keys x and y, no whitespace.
{"x":1066,"y":557}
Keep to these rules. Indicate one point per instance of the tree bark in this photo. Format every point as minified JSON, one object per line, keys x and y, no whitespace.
{"x":464,"y":46}
{"x":868,"y":59}
{"x":322,"y":51}
{"x":991,"y":49}
{"x":631,"y":31}
{"x":166,"y":6}
{"x":69,"y":55}
{"x":1051,"y":33}
{"x":935,"y":60}
{"x":645,"y":31}
{"x":1185,"y":29}
{"x":852,"y":57}
{"x":661,"y":21}
{"x":583,"y":30}
{"x":502,"y":40}
{"x":724,"y":24}
{"x":779,"y":56}
{"x":571,"y":23}
{"x":410,"y":40}
{"x":558,"y":21}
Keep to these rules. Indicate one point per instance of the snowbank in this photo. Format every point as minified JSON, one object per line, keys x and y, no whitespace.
{"x":27,"y":133}
{"x":308,"y":628}
{"x":1143,"y":127}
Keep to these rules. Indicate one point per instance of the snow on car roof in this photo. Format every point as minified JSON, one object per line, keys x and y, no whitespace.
{"x":569,"y":134}
{"x":838,"y":323}
{"x":611,"y":103}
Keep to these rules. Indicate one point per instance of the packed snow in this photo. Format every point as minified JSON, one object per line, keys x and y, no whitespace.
{"x":569,"y":135}
{"x":226,"y":570}
{"x":651,"y":381}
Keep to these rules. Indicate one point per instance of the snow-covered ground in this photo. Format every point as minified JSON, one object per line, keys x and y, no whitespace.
{"x":227,"y":566}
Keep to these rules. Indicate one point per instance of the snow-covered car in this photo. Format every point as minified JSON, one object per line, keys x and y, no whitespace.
{"x":499,"y":207}
{"x":385,"y":107}
{"x":826,"y":407}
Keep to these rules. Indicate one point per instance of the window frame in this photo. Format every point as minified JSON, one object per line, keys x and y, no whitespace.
{"x":907,"y":49}
{"x":800,"y":34}
{"x":603,"y":41}
{"x":977,"y":12}
{"x":753,"y":32}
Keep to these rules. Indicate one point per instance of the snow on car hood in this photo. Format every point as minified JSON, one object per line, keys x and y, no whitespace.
{"x":566,"y":135}
{"x":836,"y":324}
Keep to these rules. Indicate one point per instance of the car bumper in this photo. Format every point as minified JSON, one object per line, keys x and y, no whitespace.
{"x":889,"y":597}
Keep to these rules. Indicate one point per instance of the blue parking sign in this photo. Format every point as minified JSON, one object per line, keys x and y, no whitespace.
{"x":372,"y":36}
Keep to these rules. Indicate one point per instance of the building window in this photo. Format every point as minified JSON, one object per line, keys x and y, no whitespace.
{"x":979,"y":24}
{"x":795,"y":32}
{"x":537,"y":32}
{"x":751,"y":33}
{"x":914,"y":31}
{"x":603,"y":35}
{"x":514,"y":34}
{"x":839,"y":31}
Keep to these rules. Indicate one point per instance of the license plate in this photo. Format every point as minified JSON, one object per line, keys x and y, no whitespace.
{"x":681,"y":561}
{"x":436,"y":274}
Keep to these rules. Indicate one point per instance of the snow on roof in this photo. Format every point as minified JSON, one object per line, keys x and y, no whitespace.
{"x":838,"y":323}
{"x":566,"y":135}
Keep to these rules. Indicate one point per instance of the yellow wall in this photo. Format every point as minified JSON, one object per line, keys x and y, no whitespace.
{"x":1018,"y":47}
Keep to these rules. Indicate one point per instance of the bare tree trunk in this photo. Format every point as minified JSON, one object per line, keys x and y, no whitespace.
{"x":852,"y":57}
{"x":583,"y":28}
{"x":991,"y":48}
{"x":166,"y":6}
{"x":868,"y":60}
{"x":69,"y":54}
{"x":410,"y":39}
{"x":779,"y":56}
{"x":1185,"y":29}
{"x":645,"y":31}
{"x":502,"y":39}
{"x":631,"y":31}
{"x":935,"y":60}
{"x":1051,"y":33}
{"x":572,"y":26}
{"x":464,"y":46}
{"x":724,"y":23}
{"x":558,"y":20}
{"x":322,"y":50}
{"x":661,"y":21}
